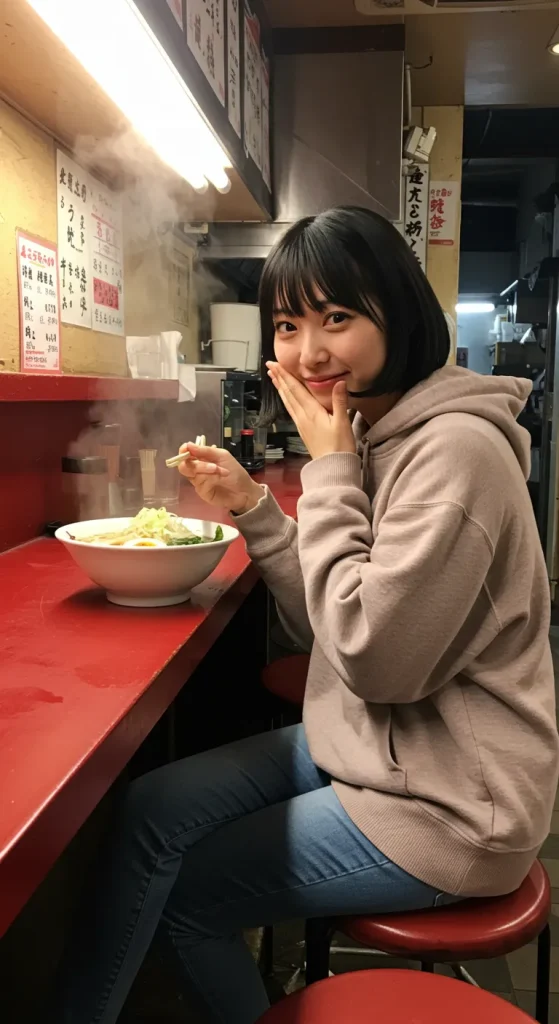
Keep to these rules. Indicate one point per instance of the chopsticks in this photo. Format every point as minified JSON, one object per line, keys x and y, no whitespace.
{"x":183,"y":456}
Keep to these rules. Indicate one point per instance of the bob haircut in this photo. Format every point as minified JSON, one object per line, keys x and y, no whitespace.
{"x":358,"y":260}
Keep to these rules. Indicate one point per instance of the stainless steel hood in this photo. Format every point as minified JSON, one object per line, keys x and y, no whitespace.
{"x":337,"y":139}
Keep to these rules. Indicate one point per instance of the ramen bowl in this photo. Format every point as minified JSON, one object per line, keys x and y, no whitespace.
{"x":145,"y":577}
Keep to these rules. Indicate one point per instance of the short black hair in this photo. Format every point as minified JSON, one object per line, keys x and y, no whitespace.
{"x":359,"y":260}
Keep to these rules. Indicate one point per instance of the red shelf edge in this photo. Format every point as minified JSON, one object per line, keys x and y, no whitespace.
{"x":30,"y":387}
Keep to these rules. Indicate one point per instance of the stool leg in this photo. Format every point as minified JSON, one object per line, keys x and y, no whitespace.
{"x":542,"y":976}
{"x":267,"y":951}
{"x":318,"y":934}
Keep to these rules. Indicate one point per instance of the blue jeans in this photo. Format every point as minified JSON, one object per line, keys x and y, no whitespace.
{"x":245,"y":835}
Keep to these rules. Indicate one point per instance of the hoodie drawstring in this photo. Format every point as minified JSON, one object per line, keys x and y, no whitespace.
{"x":365,"y":466}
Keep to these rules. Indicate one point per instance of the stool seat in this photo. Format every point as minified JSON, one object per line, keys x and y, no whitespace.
{"x":473,"y":930}
{"x":393,"y":997}
{"x":287,"y":678}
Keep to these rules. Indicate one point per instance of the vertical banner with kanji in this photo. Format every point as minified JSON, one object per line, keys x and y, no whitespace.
{"x":444,"y":197}
{"x":266,"y":120}
{"x":106,"y":259}
{"x":234,"y":94}
{"x":253,"y":87}
{"x":39,"y":304}
{"x":74,"y":241}
{"x":205,"y":36}
{"x":416,"y":210}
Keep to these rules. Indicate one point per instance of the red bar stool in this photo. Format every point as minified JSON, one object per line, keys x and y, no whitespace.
{"x":476,"y":929}
{"x":287,"y":678}
{"x":393,"y":997}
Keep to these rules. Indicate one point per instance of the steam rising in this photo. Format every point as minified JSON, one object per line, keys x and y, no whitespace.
{"x":155,"y":202}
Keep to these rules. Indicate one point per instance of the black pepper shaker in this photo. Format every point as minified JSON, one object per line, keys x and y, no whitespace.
{"x":247,"y":446}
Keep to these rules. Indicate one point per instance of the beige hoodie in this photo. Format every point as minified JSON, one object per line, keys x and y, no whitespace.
{"x":421,"y":587}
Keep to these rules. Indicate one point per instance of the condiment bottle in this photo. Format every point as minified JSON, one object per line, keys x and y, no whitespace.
{"x":247,"y":445}
{"x":85,"y":488}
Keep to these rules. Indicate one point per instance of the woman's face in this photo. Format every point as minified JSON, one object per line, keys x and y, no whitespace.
{"x":321,"y":348}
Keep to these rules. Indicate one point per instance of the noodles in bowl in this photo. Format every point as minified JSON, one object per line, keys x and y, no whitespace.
{"x":151,"y":528}
{"x":182,"y":553}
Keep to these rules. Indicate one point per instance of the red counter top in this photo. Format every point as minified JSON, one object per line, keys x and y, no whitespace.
{"x":82,"y":683}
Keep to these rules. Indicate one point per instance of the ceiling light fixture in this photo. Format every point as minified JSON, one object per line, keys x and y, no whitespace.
{"x":116,"y":46}
{"x":474,"y":307}
{"x":553,"y":44}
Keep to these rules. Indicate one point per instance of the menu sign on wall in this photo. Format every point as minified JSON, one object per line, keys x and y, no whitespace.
{"x":74,"y":253}
{"x":253,"y":87}
{"x":416,"y":212}
{"x":443,"y":212}
{"x":89,"y":250}
{"x":234,"y":65}
{"x":265,"y":64}
{"x":205,"y":35}
{"x":107,"y":270}
{"x":39,"y":305}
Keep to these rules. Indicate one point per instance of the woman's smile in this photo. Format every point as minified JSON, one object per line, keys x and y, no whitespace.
{"x":324,"y":383}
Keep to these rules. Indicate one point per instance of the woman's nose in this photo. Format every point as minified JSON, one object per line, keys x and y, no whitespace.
{"x":312,"y":350}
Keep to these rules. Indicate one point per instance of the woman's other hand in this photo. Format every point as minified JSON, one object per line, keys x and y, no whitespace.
{"x":219,"y":479}
{"x":324,"y":433}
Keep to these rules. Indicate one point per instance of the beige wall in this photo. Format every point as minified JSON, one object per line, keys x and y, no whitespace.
{"x":28,"y":201}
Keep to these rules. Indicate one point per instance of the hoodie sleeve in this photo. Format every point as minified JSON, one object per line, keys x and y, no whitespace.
{"x":272,"y":543}
{"x":387,"y":615}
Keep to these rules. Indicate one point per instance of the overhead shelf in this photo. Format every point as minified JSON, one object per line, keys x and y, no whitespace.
{"x":31,"y":387}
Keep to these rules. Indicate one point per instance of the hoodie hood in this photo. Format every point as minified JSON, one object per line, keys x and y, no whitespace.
{"x":500,"y":400}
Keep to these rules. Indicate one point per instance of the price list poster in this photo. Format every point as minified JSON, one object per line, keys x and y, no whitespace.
{"x":106,"y":260}
{"x":39,"y":304}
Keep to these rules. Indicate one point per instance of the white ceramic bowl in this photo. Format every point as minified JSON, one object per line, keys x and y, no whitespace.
{"x":145,"y":577}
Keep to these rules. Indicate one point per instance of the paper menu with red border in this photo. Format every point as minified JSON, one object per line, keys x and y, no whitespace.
{"x":39,"y":304}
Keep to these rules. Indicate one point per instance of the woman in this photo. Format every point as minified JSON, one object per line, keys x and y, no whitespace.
{"x":426,"y":768}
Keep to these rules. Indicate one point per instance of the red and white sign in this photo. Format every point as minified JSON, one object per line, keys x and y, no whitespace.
{"x":39,"y":304}
{"x":176,"y":7}
{"x":444,"y":197}
{"x":106,"y":259}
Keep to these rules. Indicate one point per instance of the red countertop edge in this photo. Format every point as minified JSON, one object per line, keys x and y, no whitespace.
{"x":31,"y":387}
{"x":34,"y":853}
{"x":44,"y":835}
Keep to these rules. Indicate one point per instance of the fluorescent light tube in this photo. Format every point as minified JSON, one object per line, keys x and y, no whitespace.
{"x":116,"y":46}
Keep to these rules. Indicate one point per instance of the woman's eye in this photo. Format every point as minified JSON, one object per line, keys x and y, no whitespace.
{"x":284,"y":327}
{"x":337,"y":318}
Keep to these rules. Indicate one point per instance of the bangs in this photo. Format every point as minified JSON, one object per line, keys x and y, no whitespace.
{"x":310,"y":273}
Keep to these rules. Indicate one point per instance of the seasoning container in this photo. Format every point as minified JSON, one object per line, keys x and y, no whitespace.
{"x":247,"y":445}
{"x":147,"y":468}
{"x":109,"y":449}
{"x":131,"y":484}
{"x":247,"y":458}
{"x":85,"y":489}
{"x":228,"y":443}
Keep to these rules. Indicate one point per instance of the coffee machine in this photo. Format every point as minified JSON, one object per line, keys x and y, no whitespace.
{"x":227,"y":403}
